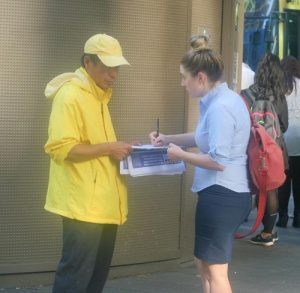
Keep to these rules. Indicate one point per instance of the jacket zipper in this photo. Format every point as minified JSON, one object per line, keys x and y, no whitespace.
{"x":121,"y":215}
{"x":103,"y":121}
{"x":120,"y":203}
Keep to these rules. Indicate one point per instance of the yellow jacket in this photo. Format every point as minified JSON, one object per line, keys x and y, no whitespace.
{"x":90,"y":191}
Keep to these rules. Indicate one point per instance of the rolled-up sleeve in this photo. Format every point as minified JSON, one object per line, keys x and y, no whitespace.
{"x":64,"y":129}
{"x":221,"y":124}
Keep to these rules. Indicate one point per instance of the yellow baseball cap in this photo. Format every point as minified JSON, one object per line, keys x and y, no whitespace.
{"x":107,"y":49}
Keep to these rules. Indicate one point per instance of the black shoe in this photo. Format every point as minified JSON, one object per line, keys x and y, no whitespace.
{"x":268,"y":241}
{"x":275,"y":237}
{"x":282,"y":221}
{"x":296,"y":224}
{"x":296,"y":220}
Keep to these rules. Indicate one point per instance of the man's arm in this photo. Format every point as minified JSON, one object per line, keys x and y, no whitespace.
{"x":85,"y":152}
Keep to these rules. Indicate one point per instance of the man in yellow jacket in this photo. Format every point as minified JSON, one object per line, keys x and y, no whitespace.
{"x":85,"y":186}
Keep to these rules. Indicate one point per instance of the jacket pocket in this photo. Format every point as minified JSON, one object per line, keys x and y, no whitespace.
{"x":105,"y":202}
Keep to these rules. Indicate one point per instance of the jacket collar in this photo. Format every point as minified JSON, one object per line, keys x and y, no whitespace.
{"x":102,"y":95}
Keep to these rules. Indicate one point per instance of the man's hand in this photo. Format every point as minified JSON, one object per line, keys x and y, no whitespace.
{"x":119,"y":150}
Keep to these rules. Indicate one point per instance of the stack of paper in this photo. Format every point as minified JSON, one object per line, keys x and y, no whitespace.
{"x":149,"y":160}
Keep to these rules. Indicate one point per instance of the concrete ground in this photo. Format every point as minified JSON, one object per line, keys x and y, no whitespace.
{"x":274,"y":269}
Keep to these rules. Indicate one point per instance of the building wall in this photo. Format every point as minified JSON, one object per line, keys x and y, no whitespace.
{"x":40,"y":39}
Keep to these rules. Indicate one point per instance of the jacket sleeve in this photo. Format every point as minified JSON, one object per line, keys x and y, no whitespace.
{"x":64,"y":127}
{"x":283,"y":115}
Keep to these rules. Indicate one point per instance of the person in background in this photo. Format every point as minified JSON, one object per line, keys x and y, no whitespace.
{"x":85,"y":187}
{"x":291,"y":68}
{"x":220,"y":180}
{"x":247,"y":76}
{"x":269,"y":84}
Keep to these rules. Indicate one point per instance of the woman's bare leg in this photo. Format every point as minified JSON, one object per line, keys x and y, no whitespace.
{"x":204,"y":275}
{"x":214,"y":277}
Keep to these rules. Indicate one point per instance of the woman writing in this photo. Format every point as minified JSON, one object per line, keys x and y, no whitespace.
{"x":220,"y":180}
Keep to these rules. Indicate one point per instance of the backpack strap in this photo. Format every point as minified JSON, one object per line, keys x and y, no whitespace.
{"x":248,"y":97}
{"x":253,"y":122}
{"x":246,"y":103}
{"x":262,"y":200}
{"x":262,"y":196}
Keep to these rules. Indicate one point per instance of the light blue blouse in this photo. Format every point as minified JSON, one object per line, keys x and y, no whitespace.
{"x":223,"y":133}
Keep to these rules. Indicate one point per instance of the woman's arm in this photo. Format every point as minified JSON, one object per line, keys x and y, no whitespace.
{"x":199,"y":160}
{"x":184,"y":139}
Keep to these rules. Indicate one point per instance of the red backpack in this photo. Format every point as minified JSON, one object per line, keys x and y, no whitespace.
{"x":266,"y":166}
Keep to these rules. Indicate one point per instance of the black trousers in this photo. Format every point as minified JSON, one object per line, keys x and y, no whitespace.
{"x":292,"y":183}
{"x":86,"y":256}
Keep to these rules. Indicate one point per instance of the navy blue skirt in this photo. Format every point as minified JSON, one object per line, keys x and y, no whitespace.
{"x":220,"y":211}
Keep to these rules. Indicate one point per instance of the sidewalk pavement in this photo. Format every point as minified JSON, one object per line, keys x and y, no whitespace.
{"x":253,"y":268}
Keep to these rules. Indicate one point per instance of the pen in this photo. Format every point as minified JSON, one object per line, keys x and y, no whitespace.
{"x":157,"y":127}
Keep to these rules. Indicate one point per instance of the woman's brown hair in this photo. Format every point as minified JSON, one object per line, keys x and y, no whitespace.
{"x":291,"y":68}
{"x":204,"y":60}
{"x":199,"y":41}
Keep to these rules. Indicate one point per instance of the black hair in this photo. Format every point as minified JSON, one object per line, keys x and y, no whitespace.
{"x":93,"y":57}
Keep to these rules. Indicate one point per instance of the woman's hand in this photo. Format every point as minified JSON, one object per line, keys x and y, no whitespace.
{"x":175,"y":152}
{"x":159,"y":140}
